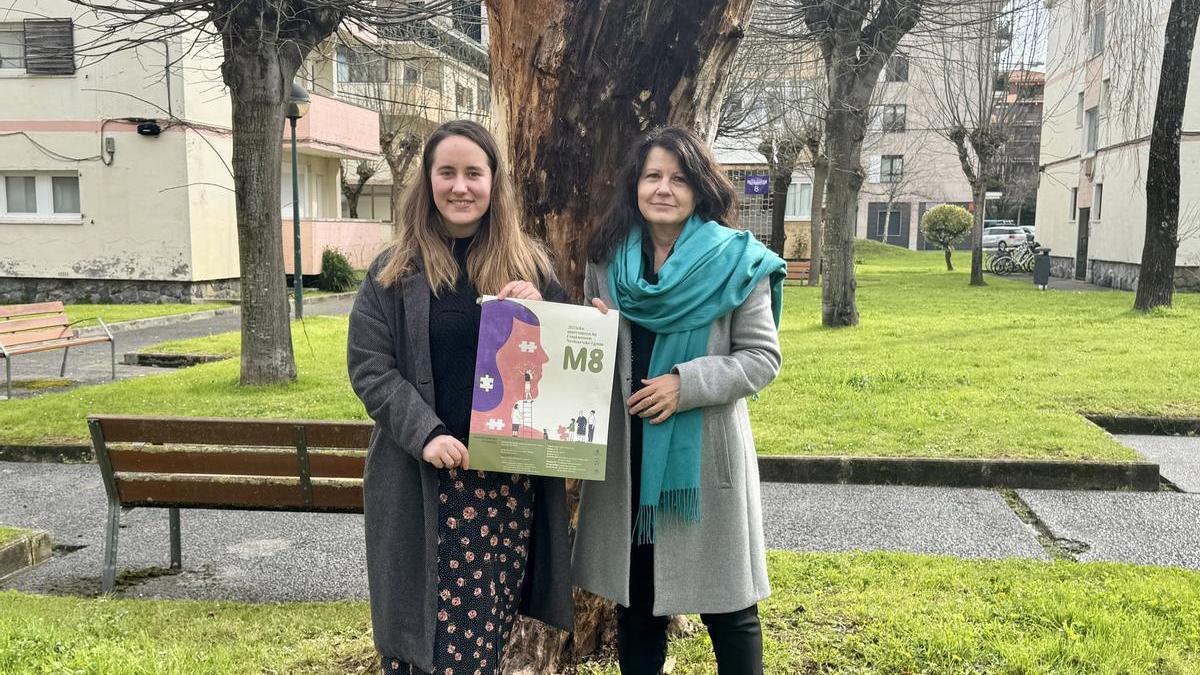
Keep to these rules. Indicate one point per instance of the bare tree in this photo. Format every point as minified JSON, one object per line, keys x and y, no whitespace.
{"x":1156,"y":285}
{"x":364,"y":170}
{"x":574,"y":83}
{"x":263,"y":44}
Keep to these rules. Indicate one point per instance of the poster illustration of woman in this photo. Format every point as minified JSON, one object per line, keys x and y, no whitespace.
{"x":508,"y":369}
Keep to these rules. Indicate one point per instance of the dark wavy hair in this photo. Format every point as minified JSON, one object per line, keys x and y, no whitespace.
{"x":716,"y":198}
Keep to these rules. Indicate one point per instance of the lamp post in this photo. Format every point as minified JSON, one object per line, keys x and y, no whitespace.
{"x":297,"y":107}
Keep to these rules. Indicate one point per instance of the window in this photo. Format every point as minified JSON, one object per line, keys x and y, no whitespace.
{"x":896,"y":69}
{"x":893,"y":118}
{"x":462,"y":97}
{"x":888,"y":224}
{"x":1074,"y":203}
{"x":1097,"y":201}
{"x":354,"y":65}
{"x":1106,"y":97}
{"x":485,"y":95}
{"x":38,"y":46}
{"x":1097,"y":34}
{"x":799,"y":201}
{"x":412,"y":74}
{"x":1079,"y":111}
{"x":891,"y":168}
{"x":40,"y":195}
{"x":1091,"y":124}
{"x":431,"y":74}
{"x":468,"y":18}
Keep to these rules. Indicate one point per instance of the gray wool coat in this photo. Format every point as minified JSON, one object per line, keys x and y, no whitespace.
{"x":389,"y":365}
{"x":718,"y":564}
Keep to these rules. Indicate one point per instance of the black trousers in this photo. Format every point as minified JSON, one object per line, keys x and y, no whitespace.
{"x":642,"y":637}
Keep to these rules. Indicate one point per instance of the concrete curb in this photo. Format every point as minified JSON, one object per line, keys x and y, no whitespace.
{"x":172,"y":319}
{"x":916,"y":471}
{"x":156,"y":360}
{"x":1145,"y":425}
{"x":24,"y":552}
{"x":955,"y":472}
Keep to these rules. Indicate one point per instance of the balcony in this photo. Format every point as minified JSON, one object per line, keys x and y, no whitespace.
{"x":358,"y":240}
{"x":336,"y":129}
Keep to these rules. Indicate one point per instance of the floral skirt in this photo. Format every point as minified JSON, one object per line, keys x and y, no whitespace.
{"x":483,"y":543}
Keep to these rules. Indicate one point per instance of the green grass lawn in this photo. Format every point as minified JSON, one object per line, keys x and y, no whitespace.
{"x":115,"y":313}
{"x":9,"y":533}
{"x":936,"y":368}
{"x":830,"y":613}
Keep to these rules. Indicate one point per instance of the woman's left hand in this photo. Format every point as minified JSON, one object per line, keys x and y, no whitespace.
{"x":658,"y":400}
{"x":519,"y":290}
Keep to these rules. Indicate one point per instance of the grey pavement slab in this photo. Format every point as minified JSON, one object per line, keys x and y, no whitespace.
{"x":230,"y":555}
{"x":969,"y":523}
{"x":91,"y":364}
{"x":1178,"y":457}
{"x":1154,"y":528}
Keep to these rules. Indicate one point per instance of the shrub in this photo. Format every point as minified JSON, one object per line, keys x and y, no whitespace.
{"x":337,"y":274}
{"x":945,"y":224}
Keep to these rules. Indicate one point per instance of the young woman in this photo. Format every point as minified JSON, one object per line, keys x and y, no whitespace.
{"x":676,"y":526}
{"x":452,"y":554}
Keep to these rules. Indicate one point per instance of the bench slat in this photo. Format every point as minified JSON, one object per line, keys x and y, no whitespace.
{"x":18,"y":325}
{"x":232,"y":462}
{"x":267,"y":494}
{"x":10,"y":311}
{"x":55,"y":344}
{"x":234,"y":432}
{"x":41,"y":336}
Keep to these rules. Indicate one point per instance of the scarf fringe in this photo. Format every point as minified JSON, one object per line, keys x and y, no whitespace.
{"x":682,"y":504}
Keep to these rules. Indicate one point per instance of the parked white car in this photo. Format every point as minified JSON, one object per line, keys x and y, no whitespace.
{"x":1010,"y":236}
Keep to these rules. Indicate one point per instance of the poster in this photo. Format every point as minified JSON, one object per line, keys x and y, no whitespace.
{"x":543,"y":387}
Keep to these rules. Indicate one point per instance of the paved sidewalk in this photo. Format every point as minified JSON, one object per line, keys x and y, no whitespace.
{"x":91,"y":364}
{"x":1178,"y":457}
{"x":262,"y":556}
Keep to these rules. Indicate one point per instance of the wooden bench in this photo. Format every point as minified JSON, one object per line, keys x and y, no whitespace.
{"x":797,"y":270}
{"x":211,"y":463}
{"x":39,"y":327}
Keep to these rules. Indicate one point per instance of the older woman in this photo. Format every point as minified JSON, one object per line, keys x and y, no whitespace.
{"x":676,"y":526}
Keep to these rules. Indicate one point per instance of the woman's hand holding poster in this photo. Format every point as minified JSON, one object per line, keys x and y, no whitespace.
{"x":543,"y":388}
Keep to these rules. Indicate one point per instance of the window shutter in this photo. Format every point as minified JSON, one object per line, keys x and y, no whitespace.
{"x":876,"y":168}
{"x":49,"y":47}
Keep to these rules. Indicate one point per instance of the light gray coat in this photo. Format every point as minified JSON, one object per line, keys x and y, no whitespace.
{"x":718,"y":564}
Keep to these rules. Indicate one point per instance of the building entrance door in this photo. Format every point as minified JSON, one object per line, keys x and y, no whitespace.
{"x":1081,"y":249}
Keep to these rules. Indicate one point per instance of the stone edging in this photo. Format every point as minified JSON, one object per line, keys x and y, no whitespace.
{"x":157,"y":360}
{"x":962,"y":472}
{"x":915,"y":471}
{"x":172,"y":319}
{"x":1146,"y":425}
{"x":24,"y":552}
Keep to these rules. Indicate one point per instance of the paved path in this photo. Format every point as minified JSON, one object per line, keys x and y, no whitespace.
{"x":91,"y":364}
{"x":1178,"y":457}
{"x":259,"y":556}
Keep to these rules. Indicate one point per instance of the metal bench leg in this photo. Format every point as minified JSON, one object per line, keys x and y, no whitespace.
{"x":109,"y":578}
{"x":8,"y":376}
{"x":176,"y":553}
{"x":114,"y":358}
{"x":62,"y":372}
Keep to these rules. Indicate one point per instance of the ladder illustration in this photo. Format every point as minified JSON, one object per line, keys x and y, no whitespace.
{"x":525,"y":418}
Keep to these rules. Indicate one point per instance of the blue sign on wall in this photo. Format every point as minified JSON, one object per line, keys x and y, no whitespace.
{"x":758,"y":185}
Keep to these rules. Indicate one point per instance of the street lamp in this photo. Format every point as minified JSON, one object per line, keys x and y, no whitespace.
{"x":297,"y":107}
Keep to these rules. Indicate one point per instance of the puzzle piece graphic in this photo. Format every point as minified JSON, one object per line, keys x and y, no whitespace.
{"x":527,"y":346}
{"x":495,"y":424}
{"x":487,"y":383}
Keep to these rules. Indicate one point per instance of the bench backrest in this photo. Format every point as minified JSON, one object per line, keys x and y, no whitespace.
{"x":291,"y":465}
{"x":39,"y":322}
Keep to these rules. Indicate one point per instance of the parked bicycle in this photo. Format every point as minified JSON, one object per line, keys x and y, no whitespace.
{"x":1010,"y":259}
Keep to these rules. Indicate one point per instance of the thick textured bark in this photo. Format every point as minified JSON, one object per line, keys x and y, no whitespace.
{"x":979,"y":195}
{"x":573,"y":84}
{"x":781,"y":180}
{"x":844,"y":147}
{"x":1156,"y":284}
{"x":817,"y":228}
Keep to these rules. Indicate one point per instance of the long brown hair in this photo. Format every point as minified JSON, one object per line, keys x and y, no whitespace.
{"x":716,"y":198}
{"x":501,"y":251}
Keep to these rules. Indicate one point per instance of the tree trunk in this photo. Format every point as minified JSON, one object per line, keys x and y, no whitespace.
{"x":949,"y":260}
{"x":255,"y":79}
{"x":781,"y":180}
{"x":574,"y":84}
{"x":844,"y":148}
{"x":815,"y":253}
{"x":399,"y":151}
{"x":1156,"y":284}
{"x":979,"y":195}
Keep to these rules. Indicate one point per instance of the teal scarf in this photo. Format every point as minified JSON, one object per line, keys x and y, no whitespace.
{"x":711,"y":272}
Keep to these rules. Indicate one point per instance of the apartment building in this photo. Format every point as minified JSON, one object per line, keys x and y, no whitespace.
{"x":1096,"y":143}
{"x":116,"y":178}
